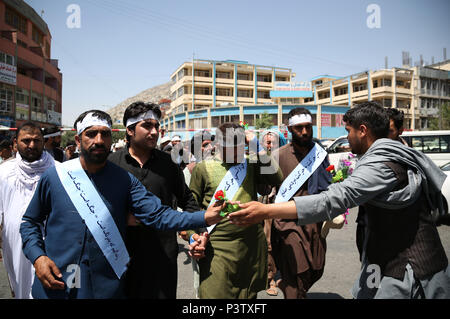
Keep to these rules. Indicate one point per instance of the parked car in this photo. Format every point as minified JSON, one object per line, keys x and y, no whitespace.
{"x":434,"y":144}
{"x":339,"y":148}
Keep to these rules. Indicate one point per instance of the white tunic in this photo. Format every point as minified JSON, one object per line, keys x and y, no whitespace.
{"x":13,"y":204}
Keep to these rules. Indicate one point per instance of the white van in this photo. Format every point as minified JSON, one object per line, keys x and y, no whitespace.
{"x":435,"y":144}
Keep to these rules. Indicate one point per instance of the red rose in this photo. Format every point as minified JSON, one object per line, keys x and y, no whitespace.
{"x":219,"y":195}
{"x":330,"y":168}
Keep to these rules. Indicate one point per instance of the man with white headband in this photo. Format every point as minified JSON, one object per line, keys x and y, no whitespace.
{"x":400,"y":189}
{"x":52,"y":139}
{"x":84,"y":204}
{"x":235,"y":262}
{"x":299,"y":251}
{"x":152,"y":273}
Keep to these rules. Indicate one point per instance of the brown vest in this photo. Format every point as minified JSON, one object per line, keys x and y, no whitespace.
{"x":401,"y":236}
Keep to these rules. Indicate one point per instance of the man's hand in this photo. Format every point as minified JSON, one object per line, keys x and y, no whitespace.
{"x":47,"y":272}
{"x":250,"y":213}
{"x":212,"y":214}
{"x":197,"y":248}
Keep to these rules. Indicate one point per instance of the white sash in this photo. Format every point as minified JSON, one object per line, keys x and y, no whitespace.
{"x":95,"y":214}
{"x":301,"y":173}
{"x":230,"y":184}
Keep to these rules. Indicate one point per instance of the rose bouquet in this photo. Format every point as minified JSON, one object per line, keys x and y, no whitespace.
{"x":336,"y":177}
{"x":229,"y":208}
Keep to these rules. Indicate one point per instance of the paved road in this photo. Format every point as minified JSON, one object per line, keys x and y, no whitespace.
{"x":341,"y":268}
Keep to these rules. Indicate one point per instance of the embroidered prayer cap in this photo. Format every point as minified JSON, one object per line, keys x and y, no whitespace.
{"x":92,"y":118}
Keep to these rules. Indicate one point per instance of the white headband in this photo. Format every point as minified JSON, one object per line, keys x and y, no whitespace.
{"x":302,"y":118}
{"x":53,"y":134}
{"x":90,"y":120}
{"x":149,"y":115}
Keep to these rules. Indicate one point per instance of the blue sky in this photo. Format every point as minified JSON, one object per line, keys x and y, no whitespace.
{"x":124,"y":47}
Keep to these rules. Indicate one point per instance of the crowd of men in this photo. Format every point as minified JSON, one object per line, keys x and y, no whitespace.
{"x":97,"y":220}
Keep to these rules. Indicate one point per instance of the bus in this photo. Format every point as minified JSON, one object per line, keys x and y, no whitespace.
{"x":435,"y":144}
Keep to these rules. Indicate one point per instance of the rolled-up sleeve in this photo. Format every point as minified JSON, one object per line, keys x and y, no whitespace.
{"x":365,"y":183}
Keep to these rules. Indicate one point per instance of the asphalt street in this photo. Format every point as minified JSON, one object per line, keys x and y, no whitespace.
{"x":341,"y":267}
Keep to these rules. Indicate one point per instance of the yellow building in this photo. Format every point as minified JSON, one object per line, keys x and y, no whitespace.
{"x":417,"y":91}
{"x":204,"y":84}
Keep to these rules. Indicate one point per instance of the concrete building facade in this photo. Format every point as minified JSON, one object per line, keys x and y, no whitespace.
{"x":30,"y":80}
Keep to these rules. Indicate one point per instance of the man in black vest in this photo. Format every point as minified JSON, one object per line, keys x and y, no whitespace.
{"x":400,"y":189}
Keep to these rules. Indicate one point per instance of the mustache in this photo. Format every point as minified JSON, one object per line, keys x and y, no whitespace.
{"x":97,"y":147}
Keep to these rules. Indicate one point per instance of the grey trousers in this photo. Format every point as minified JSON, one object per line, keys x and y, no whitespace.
{"x":372,"y":285}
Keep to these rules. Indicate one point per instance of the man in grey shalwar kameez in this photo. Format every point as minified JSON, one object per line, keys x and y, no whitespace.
{"x":400,"y":190}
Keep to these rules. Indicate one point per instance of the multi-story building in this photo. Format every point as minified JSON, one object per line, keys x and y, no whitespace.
{"x":30,"y":80}
{"x":204,"y":84}
{"x":207,"y":93}
{"x":417,"y":91}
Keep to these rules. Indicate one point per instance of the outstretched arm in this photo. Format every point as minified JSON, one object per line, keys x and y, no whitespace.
{"x":255,"y":212}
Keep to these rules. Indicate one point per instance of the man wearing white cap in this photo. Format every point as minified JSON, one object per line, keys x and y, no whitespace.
{"x":152,"y":273}
{"x":175,"y":140}
{"x":84,"y":204}
{"x":299,"y":251}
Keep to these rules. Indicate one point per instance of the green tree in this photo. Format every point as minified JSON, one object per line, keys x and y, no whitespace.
{"x":67,"y":136}
{"x":118,"y":135}
{"x":264,"y":121}
{"x":442,"y":122}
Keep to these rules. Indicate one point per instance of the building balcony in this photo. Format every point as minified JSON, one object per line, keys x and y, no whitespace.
{"x":7,"y":46}
{"x":30,"y":57}
{"x":403,"y":91}
{"x":37,"y":86}
{"x":221,"y":98}
{"x":262,"y":84}
{"x":52,"y":70}
{"x":224,"y":81}
{"x":245,"y":100}
{"x":363,"y":93}
{"x":250,"y":84}
{"x":383,"y":89}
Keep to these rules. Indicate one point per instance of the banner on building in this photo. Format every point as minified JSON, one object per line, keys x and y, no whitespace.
{"x":22,"y":111}
{"x":8,"y":73}
{"x":54,"y":117}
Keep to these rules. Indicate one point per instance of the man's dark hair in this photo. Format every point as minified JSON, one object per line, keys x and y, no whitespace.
{"x":136,"y":108}
{"x":397,"y":116}
{"x":97,"y":113}
{"x":6,"y":143}
{"x":28,"y":126}
{"x":50,"y":130}
{"x":370,"y":114}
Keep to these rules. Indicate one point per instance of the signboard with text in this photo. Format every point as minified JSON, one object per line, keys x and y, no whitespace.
{"x":8,"y":73}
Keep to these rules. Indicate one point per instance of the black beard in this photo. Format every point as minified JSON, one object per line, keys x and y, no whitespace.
{"x":30,"y":157}
{"x":301,"y":142}
{"x":94,"y":158}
